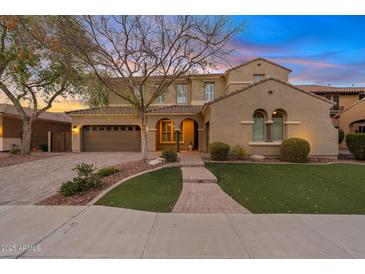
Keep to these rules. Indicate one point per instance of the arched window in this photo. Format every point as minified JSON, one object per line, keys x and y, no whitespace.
{"x":259,"y":125}
{"x":277,"y":127}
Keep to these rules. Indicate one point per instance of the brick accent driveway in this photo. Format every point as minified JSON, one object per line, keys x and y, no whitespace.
{"x":31,"y":182}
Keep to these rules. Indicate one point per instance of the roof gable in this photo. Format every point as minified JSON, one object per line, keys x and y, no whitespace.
{"x":266,"y":80}
{"x":254,"y":60}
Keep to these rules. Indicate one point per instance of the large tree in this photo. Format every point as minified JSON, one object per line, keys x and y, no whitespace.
{"x":134,"y":49}
{"x":37,"y":66}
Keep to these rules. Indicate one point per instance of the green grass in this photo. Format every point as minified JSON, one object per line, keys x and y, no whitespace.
{"x":294,"y":188}
{"x":157,"y":191}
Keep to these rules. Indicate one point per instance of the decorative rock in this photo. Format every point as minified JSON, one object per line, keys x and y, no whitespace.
{"x":156,"y":161}
{"x":257,"y":158}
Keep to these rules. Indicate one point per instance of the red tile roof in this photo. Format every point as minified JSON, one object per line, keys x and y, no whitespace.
{"x":331,"y":89}
{"x":51,"y":116}
{"x":125,"y":110}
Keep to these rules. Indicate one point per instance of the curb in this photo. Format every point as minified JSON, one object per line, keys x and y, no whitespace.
{"x":105,"y":191}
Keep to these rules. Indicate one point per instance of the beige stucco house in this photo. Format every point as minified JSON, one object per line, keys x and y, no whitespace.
{"x":252,"y":105}
{"x":348,"y":113}
{"x":47,"y":125}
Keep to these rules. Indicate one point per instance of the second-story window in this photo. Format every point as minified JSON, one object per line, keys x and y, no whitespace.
{"x":138,"y":90}
{"x":209,"y":92}
{"x":258,"y":77}
{"x":161,"y":99}
{"x":181,"y":94}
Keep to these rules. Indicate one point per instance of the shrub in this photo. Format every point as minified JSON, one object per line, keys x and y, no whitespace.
{"x":240,"y":152}
{"x":341,"y":136}
{"x":86,"y":179}
{"x":107,"y":171}
{"x":218,"y":151}
{"x":14,"y":149}
{"x":69,"y":188}
{"x":169,"y":155}
{"x":44,"y":147}
{"x":294,"y":150}
{"x":356,"y":144}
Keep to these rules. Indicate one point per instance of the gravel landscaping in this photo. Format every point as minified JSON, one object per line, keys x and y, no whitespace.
{"x":9,"y":160}
{"x":125,"y":170}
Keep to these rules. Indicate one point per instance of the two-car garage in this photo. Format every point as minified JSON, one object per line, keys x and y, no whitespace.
{"x":111,"y":138}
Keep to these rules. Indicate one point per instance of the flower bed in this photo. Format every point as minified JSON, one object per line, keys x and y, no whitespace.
{"x":83,"y":198}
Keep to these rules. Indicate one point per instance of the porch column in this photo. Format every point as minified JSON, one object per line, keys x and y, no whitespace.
{"x":177,"y":135}
{"x":201,"y":139}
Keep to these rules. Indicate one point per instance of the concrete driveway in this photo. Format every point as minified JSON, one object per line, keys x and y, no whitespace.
{"x":105,"y":232}
{"x":30,"y":182}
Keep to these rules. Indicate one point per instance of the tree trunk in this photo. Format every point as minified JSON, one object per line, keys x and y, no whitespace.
{"x":26,"y":136}
{"x":144,"y":136}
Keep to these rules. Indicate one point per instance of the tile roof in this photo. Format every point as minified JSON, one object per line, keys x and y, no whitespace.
{"x":330,"y":89}
{"x":109,"y":110}
{"x":52,"y":116}
{"x":125,"y":110}
{"x":177,"y":109}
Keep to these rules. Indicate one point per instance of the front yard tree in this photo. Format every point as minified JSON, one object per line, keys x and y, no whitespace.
{"x":36,"y":66}
{"x":134,"y":49}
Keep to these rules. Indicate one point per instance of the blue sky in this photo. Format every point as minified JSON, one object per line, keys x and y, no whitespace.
{"x":319,"y":49}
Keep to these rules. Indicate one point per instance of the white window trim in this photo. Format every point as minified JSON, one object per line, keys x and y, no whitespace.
{"x":212,"y":96}
{"x":186,"y":94}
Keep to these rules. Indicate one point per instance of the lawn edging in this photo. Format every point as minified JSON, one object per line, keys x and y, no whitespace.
{"x":353,"y":162}
{"x":105,"y":191}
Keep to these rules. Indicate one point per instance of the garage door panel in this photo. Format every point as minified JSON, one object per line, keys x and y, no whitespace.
{"x":95,"y":139}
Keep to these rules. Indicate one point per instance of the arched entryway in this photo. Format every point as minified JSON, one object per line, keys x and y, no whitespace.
{"x":190,"y":134}
{"x":358,"y":126}
{"x":168,"y":133}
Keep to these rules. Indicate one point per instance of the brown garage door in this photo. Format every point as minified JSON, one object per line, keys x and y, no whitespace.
{"x":111,"y":138}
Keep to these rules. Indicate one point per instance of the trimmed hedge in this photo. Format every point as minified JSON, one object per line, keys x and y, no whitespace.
{"x":356,"y":144}
{"x":107,"y":171}
{"x":294,"y":150}
{"x":169,"y":155}
{"x":341,"y":136}
{"x":219,"y":151}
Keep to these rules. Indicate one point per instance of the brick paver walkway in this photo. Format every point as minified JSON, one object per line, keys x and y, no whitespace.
{"x":201,"y":193}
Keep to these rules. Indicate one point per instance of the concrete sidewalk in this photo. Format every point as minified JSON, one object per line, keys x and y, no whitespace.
{"x":104,"y":232}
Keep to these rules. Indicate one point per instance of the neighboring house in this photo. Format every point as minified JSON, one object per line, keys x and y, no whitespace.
{"x":11,"y":127}
{"x":252,"y":105}
{"x":348,"y":113}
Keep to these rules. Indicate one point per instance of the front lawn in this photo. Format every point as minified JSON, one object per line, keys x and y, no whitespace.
{"x":294,"y":188}
{"x":157,"y":191}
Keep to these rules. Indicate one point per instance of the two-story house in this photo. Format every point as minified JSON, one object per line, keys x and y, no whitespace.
{"x":252,"y":105}
{"x":348,"y":113}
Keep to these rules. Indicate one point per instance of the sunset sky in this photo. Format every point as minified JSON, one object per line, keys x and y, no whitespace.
{"x":319,"y":49}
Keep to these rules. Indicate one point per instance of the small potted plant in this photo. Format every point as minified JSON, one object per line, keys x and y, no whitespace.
{"x":191,"y":146}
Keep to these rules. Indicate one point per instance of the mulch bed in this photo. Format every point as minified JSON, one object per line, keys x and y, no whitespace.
{"x":83,"y":198}
{"x":19,"y":159}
